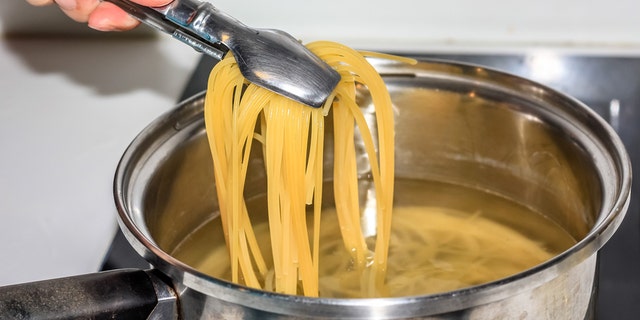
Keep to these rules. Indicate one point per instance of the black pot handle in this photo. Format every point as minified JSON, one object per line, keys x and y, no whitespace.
{"x":118,"y":294}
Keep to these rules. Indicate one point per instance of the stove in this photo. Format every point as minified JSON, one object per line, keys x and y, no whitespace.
{"x":609,"y":85}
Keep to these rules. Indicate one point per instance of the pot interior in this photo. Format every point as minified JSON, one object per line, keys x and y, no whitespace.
{"x":457,"y":128}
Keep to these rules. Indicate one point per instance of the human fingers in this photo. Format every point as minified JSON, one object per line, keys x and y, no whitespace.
{"x":153,"y":3}
{"x":78,"y":10}
{"x":108,"y":17}
{"x":102,"y":16}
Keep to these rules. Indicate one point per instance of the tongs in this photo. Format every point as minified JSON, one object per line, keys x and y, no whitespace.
{"x":268,"y":58}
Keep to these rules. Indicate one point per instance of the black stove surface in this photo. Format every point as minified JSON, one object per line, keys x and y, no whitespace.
{"x":610,"y":86}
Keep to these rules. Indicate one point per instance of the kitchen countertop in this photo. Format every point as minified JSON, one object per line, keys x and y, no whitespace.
{"x":70,"y":107}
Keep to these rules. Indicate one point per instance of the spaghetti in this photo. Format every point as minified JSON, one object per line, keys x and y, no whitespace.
{"x":292,"y":136}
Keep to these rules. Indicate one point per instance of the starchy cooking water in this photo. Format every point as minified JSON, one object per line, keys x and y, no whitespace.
{"x":444,"y":237}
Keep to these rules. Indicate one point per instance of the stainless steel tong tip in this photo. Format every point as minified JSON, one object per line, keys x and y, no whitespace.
{"x":268,"y":58}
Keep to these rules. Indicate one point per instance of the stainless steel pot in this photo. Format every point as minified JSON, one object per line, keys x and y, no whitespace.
{"x":455,"y":123}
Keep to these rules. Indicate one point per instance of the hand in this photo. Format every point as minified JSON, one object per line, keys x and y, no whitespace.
{"x":103,"y":16}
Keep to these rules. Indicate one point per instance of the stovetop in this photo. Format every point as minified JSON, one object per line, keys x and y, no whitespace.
{"x":609,"y":85}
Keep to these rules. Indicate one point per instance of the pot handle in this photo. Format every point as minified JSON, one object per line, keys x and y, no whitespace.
{"x":116,"y":294}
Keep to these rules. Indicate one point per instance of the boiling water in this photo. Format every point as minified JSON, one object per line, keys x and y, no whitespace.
{"x":444,"y":237}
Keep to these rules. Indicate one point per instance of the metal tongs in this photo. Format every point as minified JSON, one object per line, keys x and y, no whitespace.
{"x":268,"y":58}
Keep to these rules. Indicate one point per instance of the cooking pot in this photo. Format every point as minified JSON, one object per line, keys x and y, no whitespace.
{"x":455,"y":123}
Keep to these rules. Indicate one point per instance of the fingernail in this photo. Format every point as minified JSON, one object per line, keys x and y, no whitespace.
{"x":67,"y":4}
{"x":100,"y":24}
{"x":107,"y":24}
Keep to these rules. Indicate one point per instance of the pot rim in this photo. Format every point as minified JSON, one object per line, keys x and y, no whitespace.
{"x":609,"y":218}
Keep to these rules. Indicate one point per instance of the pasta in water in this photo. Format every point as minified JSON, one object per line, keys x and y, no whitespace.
{"x":444,"y":237}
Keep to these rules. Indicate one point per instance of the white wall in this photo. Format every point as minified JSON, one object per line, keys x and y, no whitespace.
{"x":410,"y":24}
